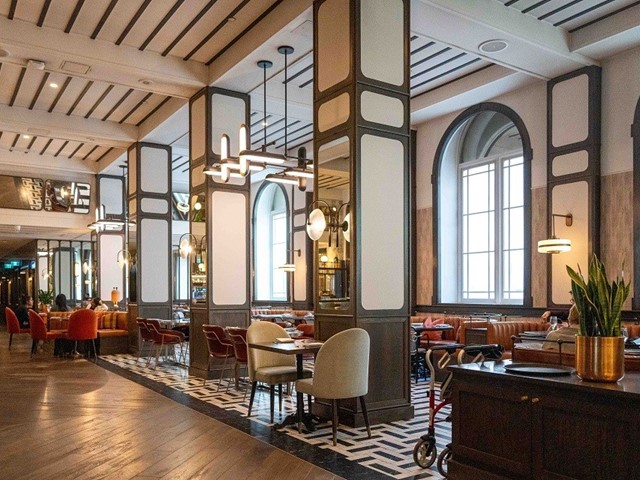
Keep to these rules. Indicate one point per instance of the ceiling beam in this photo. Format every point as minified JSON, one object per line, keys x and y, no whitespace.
{"x":465,"y":92}
{"x":117,"y":64}
{"x":610,"y":35}
{"x":33,"y":164}
{"x":279,"y":18}
{"x":536,"y":48}
{"x":108,"y":159}
{"x":59,"y":125}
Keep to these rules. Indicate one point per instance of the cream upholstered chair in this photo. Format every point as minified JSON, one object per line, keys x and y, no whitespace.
{"x":268,"y":367}
{"x":341,"y":371}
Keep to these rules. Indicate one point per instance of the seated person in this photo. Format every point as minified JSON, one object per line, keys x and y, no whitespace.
{"x":60,"y":303}
{"x":571,"y":317}
{"x":97,"y":305}
{"x":564,"y":333}
{"x":22,"y":312}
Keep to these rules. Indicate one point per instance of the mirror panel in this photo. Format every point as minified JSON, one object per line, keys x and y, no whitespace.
{"x":332,"y":248}
{"x":196,"y":266}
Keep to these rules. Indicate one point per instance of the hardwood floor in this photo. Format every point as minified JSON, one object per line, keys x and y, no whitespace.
{"x":63,"y":419}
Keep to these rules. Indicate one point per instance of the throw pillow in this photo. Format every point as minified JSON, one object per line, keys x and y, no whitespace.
{"x":429,"y":322}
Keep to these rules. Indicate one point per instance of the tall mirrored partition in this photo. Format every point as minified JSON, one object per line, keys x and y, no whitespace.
{"x":42,"y":265}
{"x":197,"y":259}
{"x":332,"y":209}
{"x":87,"y":268}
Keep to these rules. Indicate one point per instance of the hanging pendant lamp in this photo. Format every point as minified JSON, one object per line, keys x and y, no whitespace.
{"x":292,"y":175}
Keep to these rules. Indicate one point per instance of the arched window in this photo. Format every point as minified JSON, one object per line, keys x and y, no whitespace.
{"x":270,"y":243}
{"x":482,"y":214}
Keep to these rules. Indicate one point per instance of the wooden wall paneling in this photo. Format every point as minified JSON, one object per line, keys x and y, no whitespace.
{"x":635,"y":133}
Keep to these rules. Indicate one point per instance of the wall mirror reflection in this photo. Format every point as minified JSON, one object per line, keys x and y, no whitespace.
{"x":329,"y":223}
{"x":193,"y":247}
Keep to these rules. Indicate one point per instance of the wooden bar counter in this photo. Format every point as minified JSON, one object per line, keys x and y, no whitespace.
{"x":508,"y":426}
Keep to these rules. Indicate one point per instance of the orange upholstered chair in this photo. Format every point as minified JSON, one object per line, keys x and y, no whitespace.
{"x":83,"y":325}
{"x":306,"y":329}
{"x":13,"y":325}
{"x":38,"y":330}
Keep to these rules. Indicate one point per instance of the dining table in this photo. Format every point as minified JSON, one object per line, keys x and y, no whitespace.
{"x":440,"y":327}
{"x":298,"y":348}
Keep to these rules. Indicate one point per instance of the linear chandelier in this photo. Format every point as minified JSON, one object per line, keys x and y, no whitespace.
{"x":249,"y":160}
{"x":103,"y":223}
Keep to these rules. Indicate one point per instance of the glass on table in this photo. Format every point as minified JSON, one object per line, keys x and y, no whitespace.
{"x":553,"y":322}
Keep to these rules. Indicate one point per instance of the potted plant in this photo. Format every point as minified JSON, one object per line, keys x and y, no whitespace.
{"x":599,"y":345}
{"x":45,"y":297}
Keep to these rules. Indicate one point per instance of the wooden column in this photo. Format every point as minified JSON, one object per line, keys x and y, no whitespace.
{"x":361,"y":129}
{"x":212,"y":113}
{"x":635,"y":133}
{"x":573,"y":173}
{"x":150,"y":208}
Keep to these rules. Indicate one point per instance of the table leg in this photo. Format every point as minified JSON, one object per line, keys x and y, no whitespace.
{"x":299,"y":418}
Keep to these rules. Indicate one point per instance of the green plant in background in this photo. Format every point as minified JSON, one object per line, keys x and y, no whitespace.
{"x":599,"y":302}
{"x":45,"y":297}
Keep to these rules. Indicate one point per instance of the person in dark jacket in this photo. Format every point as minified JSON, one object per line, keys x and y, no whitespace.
{"x":22,"y":312}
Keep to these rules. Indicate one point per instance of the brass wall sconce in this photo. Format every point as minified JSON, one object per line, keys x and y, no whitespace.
{"x":290,"y":266}
{"x":189,"y":245}
{"x":555,"y":245}
{"x":327,"y":217}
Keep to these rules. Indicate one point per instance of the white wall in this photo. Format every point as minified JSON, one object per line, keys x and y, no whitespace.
{"x":620,"y":94}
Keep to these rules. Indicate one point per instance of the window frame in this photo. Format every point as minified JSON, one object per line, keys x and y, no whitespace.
{"x":255,"y":218}
{"x":498,"y":161}
{"x":527,"y":154}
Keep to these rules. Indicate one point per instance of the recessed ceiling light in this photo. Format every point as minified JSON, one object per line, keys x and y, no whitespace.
{"x":231,"y":19}
{"x":91,"y":139}
{"x":145,"y":81}
{"x":53,"y":85}
{"x":493,"y":46}
{"x":27,"y":137}
{"x":4,"y":52}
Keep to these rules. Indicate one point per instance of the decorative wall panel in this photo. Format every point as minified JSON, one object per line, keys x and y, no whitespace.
{"x":382,"y":261}
{"x":381,"y":42}
{"x":228,"y":253}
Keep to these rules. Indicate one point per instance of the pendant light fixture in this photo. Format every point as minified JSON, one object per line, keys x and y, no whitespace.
{"x":293,"y":175}
{"x":248,"y":160}
{"x":247,"y":155}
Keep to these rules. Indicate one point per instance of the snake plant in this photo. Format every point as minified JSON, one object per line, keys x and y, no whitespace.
{"x":599,"y":302}
{"x":45,"y":297}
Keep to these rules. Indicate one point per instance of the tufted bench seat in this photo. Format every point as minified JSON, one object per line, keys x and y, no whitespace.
{"x":113,"y":335}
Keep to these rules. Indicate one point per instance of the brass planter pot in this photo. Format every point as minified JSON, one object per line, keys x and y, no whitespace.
{"x":600,"y":359}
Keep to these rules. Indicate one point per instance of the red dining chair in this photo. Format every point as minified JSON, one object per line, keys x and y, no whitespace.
{"x":163,"y":340}
{"x":146,"y":338}
{"x":38,"y":331}
{"x":219,"y":347}
{"x":83,"y":325}
{"x":13,"y":324}
{"x":168,"y":331}
{"x":239,"y":338}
